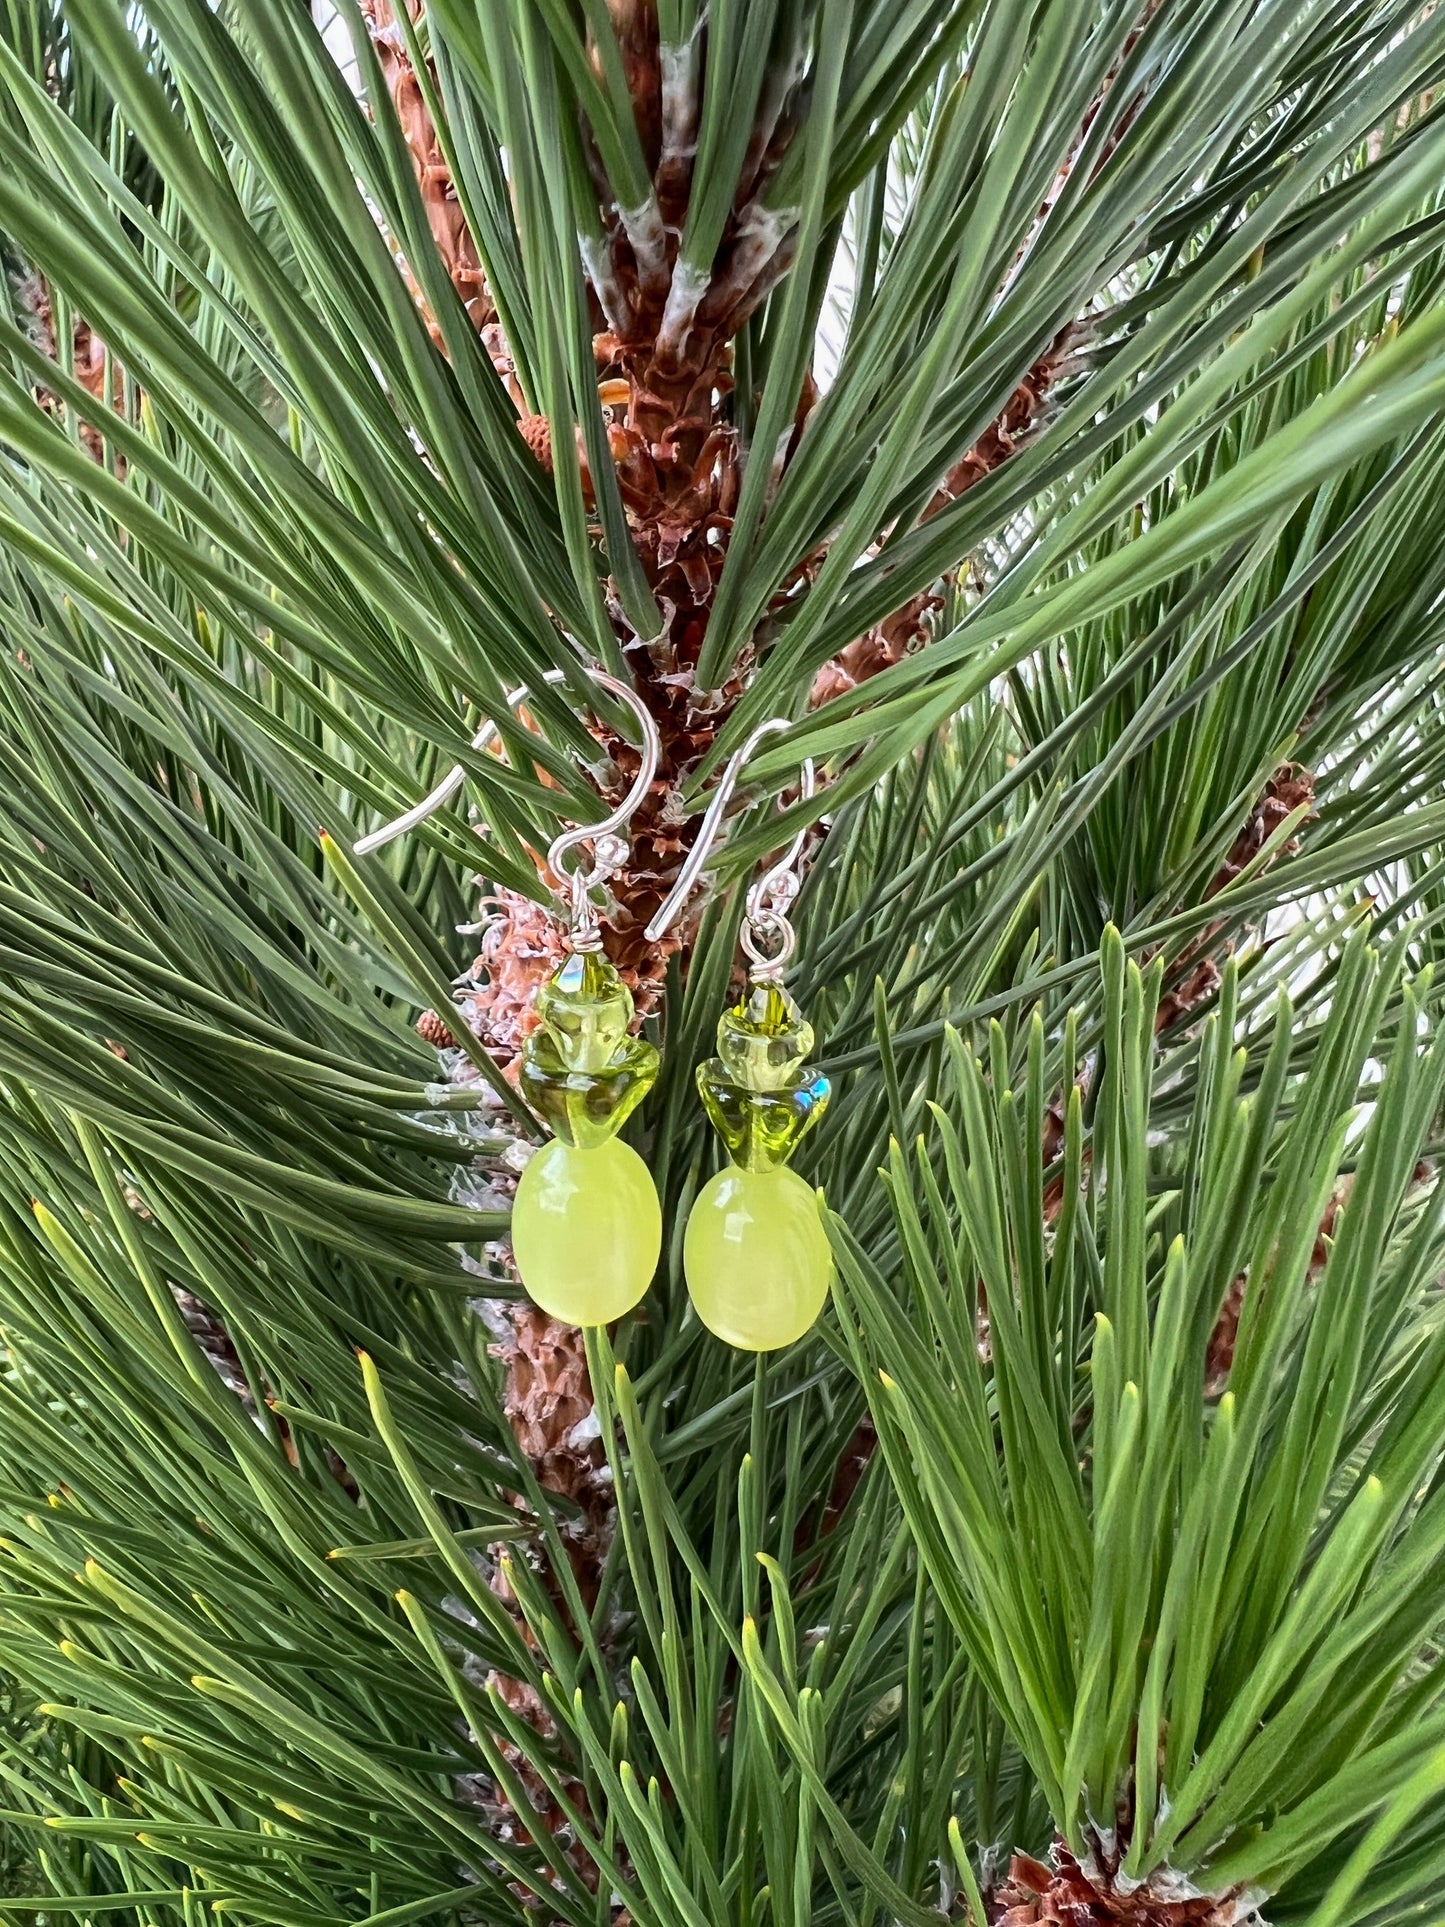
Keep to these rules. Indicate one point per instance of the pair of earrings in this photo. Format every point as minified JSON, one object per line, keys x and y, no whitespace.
{"x":586,"y":1222}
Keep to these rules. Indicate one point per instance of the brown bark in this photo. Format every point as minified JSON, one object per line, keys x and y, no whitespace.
{"x":454,"y":243}
{"x":1196,"y":975}
{"x":1219,"y":1358}
{"x":88,"y":362}
{"x":907,"y":628}
{"x":1071,"y":1893}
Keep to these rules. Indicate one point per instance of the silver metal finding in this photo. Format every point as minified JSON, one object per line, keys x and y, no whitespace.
{"x":768,"y":937}
{"x":609,"y":849}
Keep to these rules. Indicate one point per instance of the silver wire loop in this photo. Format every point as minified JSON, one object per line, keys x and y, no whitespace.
{"x":609,"y":850}
{"x":762,"y":967}
{"x":768,"y":937}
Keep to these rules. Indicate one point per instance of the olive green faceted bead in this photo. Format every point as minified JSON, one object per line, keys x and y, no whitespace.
{"x":586,"y":1231}
{"x":581,"y":1071}
{"x":586,"y":1010}
{"x":586,"y":1108}
{"x":762,"y":1041}
{"x":757,"y":1258}
{"x":757,"y":1090}
{"x":761,"y":1129}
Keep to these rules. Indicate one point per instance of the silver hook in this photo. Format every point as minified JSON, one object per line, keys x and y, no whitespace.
{"x":772,"y":896}
{"x":609,"y":850}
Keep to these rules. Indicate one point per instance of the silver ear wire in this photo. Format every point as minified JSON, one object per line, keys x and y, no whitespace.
{"x":609,"y":849}
{"x":446,"y":788}
{"x":769,"y":899}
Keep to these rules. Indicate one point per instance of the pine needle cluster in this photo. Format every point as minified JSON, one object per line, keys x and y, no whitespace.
{"x":1038,"y":406}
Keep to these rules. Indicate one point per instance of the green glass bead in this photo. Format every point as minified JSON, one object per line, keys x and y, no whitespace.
{"x":762,"y":1041}
{"x":586,"y":1231}
{"x":761,"y":1129}
{"x":586,"y":1010}
{"x":757,"y":1258}
{"x":586,"y":1108}
{"x":581,"y":1071}
{"x":757,"y":1091}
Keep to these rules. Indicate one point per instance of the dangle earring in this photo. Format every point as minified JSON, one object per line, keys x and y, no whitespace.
{"x":586,"y":1223}
{"x":755,"y":1254}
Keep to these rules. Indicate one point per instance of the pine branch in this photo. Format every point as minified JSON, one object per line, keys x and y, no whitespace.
{"x":512,"y":365}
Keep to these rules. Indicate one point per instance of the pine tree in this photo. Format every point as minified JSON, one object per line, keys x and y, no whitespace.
{"x":1036,"y":405}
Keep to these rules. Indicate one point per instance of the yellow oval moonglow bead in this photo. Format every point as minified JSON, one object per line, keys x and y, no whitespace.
{"x":757,"y":1258}
{"x":586,"y":1230}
